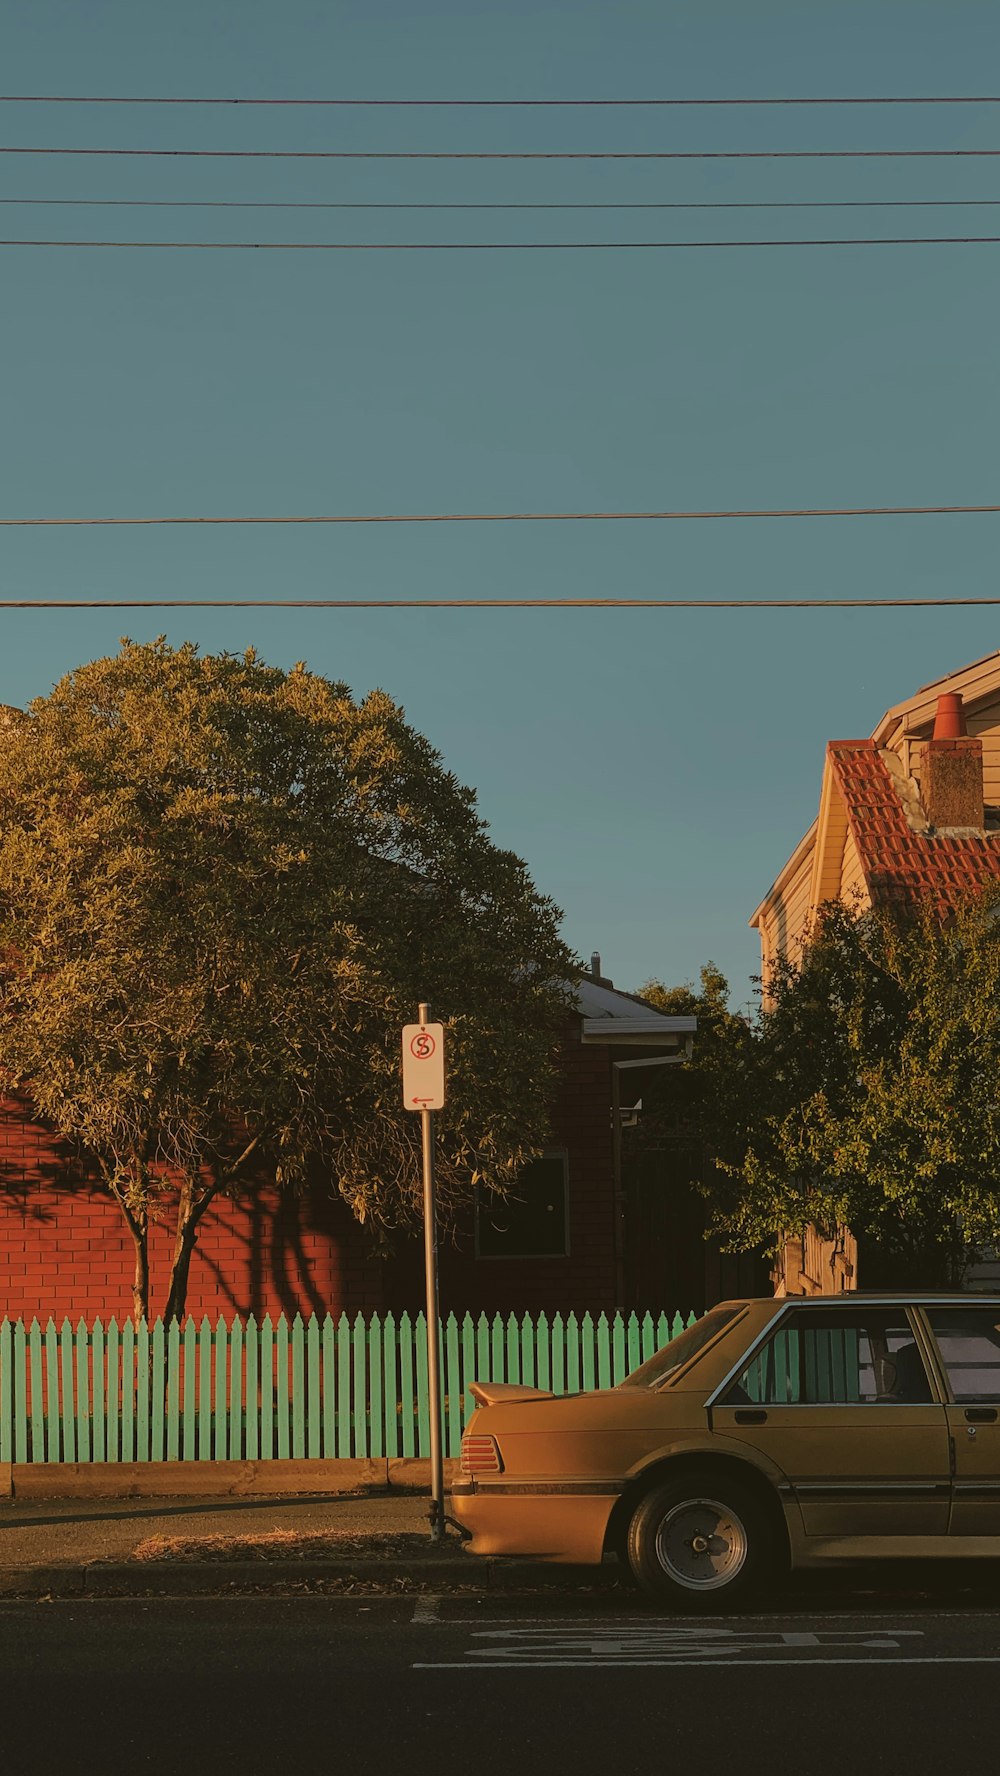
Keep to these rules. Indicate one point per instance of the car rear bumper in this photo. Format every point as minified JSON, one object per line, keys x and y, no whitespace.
{"x":537,"y":1521}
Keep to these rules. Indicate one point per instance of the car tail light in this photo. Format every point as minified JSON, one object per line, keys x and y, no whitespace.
{"x":480,"y":1455}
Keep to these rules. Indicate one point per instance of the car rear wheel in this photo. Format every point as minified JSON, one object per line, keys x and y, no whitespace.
{"x":699,"y":1543}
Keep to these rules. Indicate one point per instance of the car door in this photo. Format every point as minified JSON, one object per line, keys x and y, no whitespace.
{"x":968,"y":1343}
{"x":841,"y":1400}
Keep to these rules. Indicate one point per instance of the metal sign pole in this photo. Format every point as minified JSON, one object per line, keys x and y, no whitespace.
{"x":436,"y":1512}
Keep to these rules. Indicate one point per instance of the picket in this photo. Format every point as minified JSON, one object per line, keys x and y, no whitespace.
{"x":6,"y":1392}
{"x":423,"y":1409}
{"x":360,"y":1388}
{"x":156,"y":1390}
{"x":281,"y":1392}
{"x":314,"y":1405}
{"x":344,"y":1443}
{"x":141,"y":1394}
{"x":329,"y":1373}
{"x":205,"y":1390}
{"x":37,"y":1397}
{"x":82,"y":1348}
{"x":173,"y":1427}
{"x":266,"y":1389}
{"x":220,"y":1349}
{"x":99,"y":1377}
{"x":20,"y":1394}
{"x":390,"y":1394}
{"x":406,"y":1384}
{"x":53,"y":1419}
{"x":454,"y":1416}
{"x":236,"y":1443}
{"x":310,"y":1388}
{"x":251,"y":1448}
{"x":114,"y":1391}
{"x":298,"y":1389}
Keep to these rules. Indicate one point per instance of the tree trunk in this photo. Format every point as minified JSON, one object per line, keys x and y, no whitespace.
{"x":140,"y":1278}
{"x":190,"y":1208}
{"x":137,"y":1222}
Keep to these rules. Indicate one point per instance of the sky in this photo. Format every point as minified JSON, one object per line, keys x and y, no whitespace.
{"x":654,"y":768}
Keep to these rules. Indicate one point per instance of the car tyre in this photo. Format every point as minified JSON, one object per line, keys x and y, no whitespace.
{"x":700,"y":1543}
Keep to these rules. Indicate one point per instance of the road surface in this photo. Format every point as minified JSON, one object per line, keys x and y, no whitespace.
{"x":522,"y":1686}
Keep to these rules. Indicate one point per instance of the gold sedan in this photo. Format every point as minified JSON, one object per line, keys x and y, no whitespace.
{"x":770,"y":1433}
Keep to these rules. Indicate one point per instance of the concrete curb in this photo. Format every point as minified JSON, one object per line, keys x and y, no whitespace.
{"x":187,"y":1578}
{"x":236,"y":1479}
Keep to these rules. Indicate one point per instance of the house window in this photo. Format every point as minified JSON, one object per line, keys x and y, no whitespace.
{"x":532,"y":1221}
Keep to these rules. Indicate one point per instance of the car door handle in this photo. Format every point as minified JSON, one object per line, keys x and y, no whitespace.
{"x":981,"y":1415}
{"x":757,"y":1418}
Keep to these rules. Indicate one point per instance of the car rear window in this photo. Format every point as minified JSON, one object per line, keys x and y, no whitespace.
{"x":662,"y":1364}
{"x":969,"y":1341}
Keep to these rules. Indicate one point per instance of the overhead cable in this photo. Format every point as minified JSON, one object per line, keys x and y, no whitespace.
{"x":490,"y":603}
{"x":239,"y":203}
{"x":519,"y":153}
{"x":520,"y":517}
{"x":547,"y":246}
{"x":485,"y":104}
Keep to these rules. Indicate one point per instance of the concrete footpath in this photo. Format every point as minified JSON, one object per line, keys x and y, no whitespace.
{"x":375,"y":1540}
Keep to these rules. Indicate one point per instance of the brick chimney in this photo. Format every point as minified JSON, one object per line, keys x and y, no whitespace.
{"x":952,"y":769}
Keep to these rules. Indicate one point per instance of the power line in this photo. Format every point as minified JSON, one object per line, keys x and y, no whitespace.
{"x":489,"y":603}
{"x":548,"y":246}
{"x":523,"y":154}
{"x":229,"y":203}
{"x":484,"y":104}
{"x":519,"y":517}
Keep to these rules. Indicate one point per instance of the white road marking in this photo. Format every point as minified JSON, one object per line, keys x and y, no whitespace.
{"x":621,"y":1645}
{"x":694,"y":1638}
{"x":683,"y":1664}
{"x":426,"y":1611}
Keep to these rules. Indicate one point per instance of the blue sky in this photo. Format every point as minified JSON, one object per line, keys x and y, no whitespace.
{"x":654,"y":768}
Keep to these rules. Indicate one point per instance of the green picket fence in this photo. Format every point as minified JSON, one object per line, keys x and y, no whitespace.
{"x":261,"y":1392}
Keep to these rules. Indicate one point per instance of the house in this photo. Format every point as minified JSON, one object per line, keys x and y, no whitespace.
{"x":561,"y":1242}
{"x":565,"y":1240}
{"x":908,"y":815}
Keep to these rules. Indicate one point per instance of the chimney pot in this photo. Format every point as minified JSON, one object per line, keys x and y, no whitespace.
{"x":595,"y":964}
{"x":949,"y":717}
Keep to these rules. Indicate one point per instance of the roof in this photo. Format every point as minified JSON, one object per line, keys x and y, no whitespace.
{"x":610,"y":1016}
{"x":873,"y":1298}
{"x":901,"y":865}
{"x":977,"y":682}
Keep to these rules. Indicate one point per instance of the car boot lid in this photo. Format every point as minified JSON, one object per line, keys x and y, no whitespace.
{"x":506,"y":1393}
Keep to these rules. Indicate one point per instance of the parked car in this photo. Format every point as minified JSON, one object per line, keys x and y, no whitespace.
{"x":769,"y":1433}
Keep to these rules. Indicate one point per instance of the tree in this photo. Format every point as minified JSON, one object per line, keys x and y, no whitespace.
{"x":224,"y":887}
{"x":873,"y":1076}
{"x":709,"y":1096}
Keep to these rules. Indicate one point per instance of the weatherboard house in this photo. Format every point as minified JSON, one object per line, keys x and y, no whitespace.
{"x":563,"y":1241}
{"x":908,"y":816}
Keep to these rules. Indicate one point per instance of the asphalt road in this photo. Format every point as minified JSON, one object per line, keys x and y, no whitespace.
{"x":507,"y":1684}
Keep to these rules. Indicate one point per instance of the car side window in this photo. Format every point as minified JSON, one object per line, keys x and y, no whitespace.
{"x":830,"y":1357}
{"x":969,"y":1341}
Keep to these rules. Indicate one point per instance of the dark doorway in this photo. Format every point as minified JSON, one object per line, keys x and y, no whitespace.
{"x":670,"y":1262}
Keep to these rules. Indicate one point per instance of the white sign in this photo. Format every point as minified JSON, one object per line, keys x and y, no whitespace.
{"x":423,"y":1066}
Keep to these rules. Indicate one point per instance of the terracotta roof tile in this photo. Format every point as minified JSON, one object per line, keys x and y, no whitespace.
{"x":899,"y":864}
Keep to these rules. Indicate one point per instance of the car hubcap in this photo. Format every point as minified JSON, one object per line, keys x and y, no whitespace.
{"x":701,"y":1544}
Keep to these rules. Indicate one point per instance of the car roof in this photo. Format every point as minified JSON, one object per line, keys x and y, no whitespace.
{"x":873,"y":1298}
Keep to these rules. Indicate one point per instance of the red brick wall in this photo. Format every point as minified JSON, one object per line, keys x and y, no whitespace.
{"x":65,"y":1250}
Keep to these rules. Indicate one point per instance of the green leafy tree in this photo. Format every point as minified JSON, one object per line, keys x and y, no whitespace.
{"x":873,"y":1087}
{"x":224,"y":887}
{"x":710,"y":1096}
